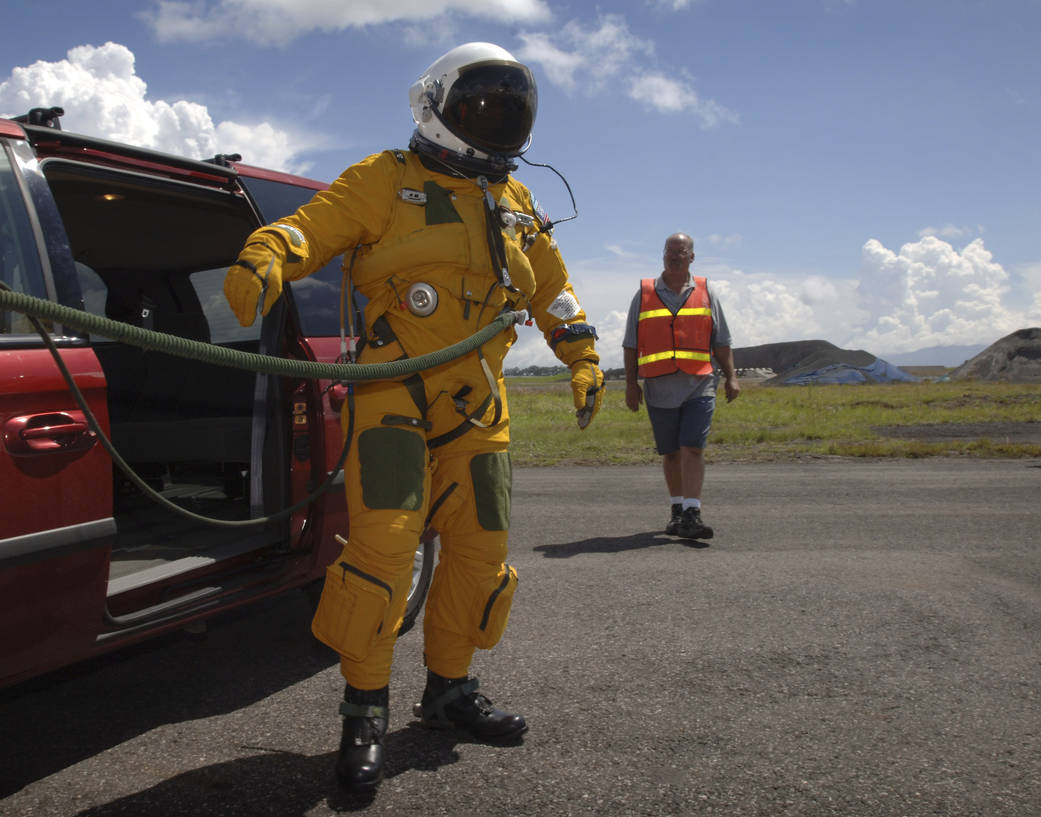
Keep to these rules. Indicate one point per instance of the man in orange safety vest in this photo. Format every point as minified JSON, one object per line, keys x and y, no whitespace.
{"x":675,"y":329}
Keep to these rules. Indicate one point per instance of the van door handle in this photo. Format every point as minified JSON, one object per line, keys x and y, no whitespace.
{"x":51,"y":432}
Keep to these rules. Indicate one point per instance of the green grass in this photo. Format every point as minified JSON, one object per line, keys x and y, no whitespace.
{"x":770,"y":423}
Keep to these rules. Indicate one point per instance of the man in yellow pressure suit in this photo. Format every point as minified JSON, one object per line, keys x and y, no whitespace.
{"x":446,"y":241}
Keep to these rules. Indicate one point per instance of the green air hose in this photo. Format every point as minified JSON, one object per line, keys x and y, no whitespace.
{"x":265,"y":364}
{"x":37,"y":308}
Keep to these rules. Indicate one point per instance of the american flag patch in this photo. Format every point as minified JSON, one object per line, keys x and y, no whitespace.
{"x":536,"y":208}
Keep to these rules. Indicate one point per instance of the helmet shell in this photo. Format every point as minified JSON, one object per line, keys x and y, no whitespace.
{"x":476,"y":101}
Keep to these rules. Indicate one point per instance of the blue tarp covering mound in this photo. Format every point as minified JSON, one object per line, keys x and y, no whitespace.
{"x":800,"y":363}
{"x":841,"y":373}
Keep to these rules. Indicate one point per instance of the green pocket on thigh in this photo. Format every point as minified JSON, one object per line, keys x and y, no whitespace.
{"x":492,"y":476}
{"x":393,"y":468}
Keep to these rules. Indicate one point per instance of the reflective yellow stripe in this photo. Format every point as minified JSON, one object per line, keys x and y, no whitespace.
{"x":654,"y":358}
{"x":683,"y":354}
{"x":665,"y":313}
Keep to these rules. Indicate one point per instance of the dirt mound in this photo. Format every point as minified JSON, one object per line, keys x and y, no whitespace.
{"x":816,"y":361}
{"x":1016,"y":358}
{"x":779,"y":357}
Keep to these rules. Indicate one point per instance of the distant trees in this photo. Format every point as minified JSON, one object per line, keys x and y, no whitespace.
{"x":551,"y":371}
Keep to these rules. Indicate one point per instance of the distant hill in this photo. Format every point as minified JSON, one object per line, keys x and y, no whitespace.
{"x":936,"y":355}
{"x":782,"y":357}
{"x":1016,"y":358}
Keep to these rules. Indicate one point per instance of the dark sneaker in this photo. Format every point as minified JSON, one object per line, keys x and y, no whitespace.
{"x":359,"y":767}
{"x":674,"y":521}
{"x":691,"y":527}
{"x":455,"y":702}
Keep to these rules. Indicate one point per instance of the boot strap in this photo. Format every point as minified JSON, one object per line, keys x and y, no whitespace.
{"x":437,"y":706}
{"x":349,"y":710}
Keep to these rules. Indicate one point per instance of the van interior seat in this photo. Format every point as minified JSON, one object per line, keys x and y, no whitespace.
{"x":166,"y":408}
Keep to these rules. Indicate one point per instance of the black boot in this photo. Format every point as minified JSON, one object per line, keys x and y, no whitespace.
{"x":691,"y":527}
{"x":359,"y":767}
{"x":449,"y":702}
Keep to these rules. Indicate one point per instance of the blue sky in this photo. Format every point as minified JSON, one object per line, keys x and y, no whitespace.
{"x":861,"y":171}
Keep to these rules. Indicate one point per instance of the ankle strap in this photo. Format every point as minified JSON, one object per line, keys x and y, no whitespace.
{"x":349,"y":710}
{"x":437,"y":706}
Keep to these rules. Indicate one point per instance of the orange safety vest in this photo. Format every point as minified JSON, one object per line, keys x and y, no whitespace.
{"x":666,"y":342}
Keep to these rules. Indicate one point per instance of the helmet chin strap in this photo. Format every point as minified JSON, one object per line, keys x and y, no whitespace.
{"x":494,"y":166}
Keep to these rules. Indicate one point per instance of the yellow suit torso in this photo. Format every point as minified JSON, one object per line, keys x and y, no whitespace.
{"x":441,"y":241}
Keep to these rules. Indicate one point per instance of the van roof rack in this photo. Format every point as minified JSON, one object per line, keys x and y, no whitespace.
{"x":71,"y":143}
{"x":44,"y":117}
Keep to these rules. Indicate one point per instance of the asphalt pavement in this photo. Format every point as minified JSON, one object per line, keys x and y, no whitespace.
{"x":860,"y":638}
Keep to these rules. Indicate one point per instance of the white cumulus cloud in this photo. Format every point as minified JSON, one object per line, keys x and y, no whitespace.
{"x":102,"y":95}
{"x":279,"y":22}
{"x":950,"y":232}
{"x":930,"y":294}
{"x":672,"y":95}
{"x":590,"y":59}
{"x":926,"y":293}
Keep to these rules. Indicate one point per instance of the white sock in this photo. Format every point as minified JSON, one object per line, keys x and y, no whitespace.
{"x":676,"y":500}
{"x":691,"y":503}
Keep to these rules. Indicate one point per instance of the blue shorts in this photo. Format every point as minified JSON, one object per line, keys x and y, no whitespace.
{"x":687,"y":425}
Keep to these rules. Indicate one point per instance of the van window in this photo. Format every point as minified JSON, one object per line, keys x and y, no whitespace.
{"x":276,"y":199}
{"x":317,"y":296}
{"x":19,"y":262}
{"x":224,"y":326}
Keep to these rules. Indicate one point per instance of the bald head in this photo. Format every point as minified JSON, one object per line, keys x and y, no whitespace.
{"x":680,"y":239}
{"x":678,"y":256}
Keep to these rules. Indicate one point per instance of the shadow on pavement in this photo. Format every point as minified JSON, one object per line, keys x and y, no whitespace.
{"x":56,"y":721}
{"x":616,"y":544}
{"x":282,"y":783}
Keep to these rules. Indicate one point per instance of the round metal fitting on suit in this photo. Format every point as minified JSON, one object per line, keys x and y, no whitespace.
{"x":421,"y":299}
{"x":507,"y":218}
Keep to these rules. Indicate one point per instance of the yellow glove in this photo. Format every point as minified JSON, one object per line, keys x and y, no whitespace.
{"x":587,"y":386}
{"x":256,"y":272}
{"x":258,"y":269}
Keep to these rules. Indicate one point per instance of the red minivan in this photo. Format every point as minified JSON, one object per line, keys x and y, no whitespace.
{"x":88,"y":562}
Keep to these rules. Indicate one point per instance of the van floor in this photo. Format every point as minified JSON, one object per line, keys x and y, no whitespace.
{"x":149,"y":535}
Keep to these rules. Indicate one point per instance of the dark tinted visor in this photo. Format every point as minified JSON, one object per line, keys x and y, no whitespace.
{"x":492,"y":107}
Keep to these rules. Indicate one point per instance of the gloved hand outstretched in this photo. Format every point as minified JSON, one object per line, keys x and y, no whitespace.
{"x":587,"y":386}
{"x":256,"y":272}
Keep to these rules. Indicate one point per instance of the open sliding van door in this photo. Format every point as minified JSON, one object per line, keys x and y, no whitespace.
{"x":152,"y":250}
{"x":56,"y":519}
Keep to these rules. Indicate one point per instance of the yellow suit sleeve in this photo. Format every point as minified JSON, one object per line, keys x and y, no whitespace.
{"x":555,"y":307}
{"x":354,"y":210}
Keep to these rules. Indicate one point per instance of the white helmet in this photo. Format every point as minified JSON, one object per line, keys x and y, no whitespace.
{"x":474,"y":106}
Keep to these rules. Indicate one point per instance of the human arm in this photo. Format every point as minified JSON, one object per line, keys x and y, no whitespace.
{"x":633,"y":392}
{"x":562,"y":320}
{"x":351,"y":212}
{"x":721,"y":348}
{"x":724,"y":356}
{"x":631,"y":355}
